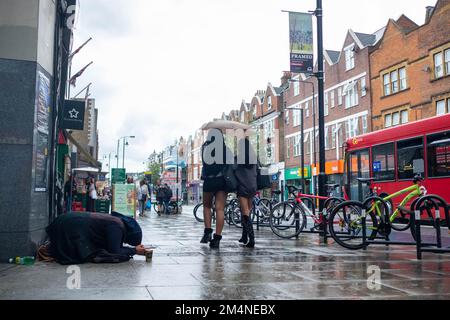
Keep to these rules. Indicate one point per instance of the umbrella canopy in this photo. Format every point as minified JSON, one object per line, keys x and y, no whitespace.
{"x":225,"y":124}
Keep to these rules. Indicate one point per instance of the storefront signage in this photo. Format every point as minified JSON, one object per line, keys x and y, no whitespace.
{"x":73,"y":115}
{"x":124,"y":199}
{"x":296,"y":173}
{"x":118,"y":176}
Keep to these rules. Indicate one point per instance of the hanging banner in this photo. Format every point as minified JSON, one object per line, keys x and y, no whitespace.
{"x":73,"y":114}
{"x":301,"y":42}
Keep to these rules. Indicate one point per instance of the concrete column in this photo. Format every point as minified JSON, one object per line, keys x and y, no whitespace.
{"x":27,"y":30}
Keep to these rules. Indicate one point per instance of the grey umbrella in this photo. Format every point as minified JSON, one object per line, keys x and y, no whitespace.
{"x":225,"y":124}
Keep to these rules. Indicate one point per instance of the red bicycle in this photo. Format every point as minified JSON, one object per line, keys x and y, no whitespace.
{"x":289,"y":218}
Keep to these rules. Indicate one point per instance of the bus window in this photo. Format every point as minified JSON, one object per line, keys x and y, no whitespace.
{"x":383,"y":162}
{"x":358,"y":166}
{"x":439,"y":154}
{"x":410,"y":158}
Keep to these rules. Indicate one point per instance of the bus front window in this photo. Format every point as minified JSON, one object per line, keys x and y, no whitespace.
{"x":358,"y":166}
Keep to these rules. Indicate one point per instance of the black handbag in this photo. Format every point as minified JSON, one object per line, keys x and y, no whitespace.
{"x":230,"y":177}
{"x":263,"y":178}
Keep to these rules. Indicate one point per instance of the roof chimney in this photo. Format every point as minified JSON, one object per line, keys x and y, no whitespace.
{"x":429,"y":12}
{"x":285,"y":78}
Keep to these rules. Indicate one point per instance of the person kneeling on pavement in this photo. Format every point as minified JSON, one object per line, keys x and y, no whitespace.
{"x":77,"y":238}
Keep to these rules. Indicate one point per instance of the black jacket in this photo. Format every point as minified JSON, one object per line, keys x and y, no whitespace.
{"x":246,"y":172}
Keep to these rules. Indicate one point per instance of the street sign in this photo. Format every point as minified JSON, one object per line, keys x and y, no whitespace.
{"x":377,"y":166}
{"x":118,"y":176}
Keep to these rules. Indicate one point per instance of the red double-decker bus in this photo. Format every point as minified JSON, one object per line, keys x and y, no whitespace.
{"x":395,"y":155}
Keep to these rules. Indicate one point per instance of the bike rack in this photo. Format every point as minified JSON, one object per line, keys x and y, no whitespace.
{"x":386,"y":240}
{"x":437,"y":203}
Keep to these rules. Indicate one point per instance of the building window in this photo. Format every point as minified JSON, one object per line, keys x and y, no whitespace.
{"x":364,"y":125}
{"x":307,"y":109}
{"x":349,"y":57}
{"x":394,"y":81}
{"x":442,"y":106}
{"x":296,"y":88}
{"x":333,"y":136}
{"x":404,"y":115}
{"x":269,"y":103}
{"x":438,"y":146}
{"x":363,"y":87}
{"x":287,"y":116}
{"x":438,"y":65}
{"x":297,"y":119}
{"x":326,"y":104}
{"x":410,"y":158}
{"x":402,"y":74}
{"x":351,"y":95}
{"x":383,"y":162}
{"x":242,"y":116}
{"x":352,"y":129}
{"x":307,"y":144}
{"x":396,"y":118}
{"x":254,"y":112}
{"x":288,"y":148}
{"x":339,"y":96}
{"x":297,"y":147}
{"x":388,"y":120}
{"x":387,"y":84}
{"x":333,"y":100}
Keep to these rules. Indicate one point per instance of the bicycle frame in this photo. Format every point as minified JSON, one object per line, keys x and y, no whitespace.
{"x":413,"y":191}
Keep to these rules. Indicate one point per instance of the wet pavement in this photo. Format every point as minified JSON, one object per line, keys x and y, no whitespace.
{"x":184,"y":269}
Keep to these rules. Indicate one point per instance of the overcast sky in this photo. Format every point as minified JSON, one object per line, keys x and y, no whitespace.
{"x":162,"y":68}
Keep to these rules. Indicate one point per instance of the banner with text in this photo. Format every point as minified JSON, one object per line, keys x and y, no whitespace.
{"x":301,"y":42}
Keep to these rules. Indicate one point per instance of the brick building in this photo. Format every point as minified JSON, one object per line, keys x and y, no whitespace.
{"x":347,"y":110}
{"x":410,"y":69}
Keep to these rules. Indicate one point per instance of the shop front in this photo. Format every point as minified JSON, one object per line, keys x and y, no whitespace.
{"x":335,"y":174}
{"x":293,"y":177}
{"x":195,"y":190}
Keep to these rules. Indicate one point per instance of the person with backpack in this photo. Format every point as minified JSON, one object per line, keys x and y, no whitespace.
{"x":142,"y":197}
{"x":168,"y":194}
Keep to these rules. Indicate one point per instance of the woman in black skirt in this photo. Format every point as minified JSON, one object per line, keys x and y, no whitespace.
{"x":214,"y":155}
{"x":246,"y":175}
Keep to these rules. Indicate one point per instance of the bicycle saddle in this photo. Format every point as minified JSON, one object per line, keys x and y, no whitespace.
{"x":277,"y":192}
{"x":294,"y":189}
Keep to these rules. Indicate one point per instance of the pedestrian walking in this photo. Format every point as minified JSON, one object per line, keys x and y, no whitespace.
{"x":168,"y":194}
{"x":214,"y":186}
{"x":159,"y":193}
{"x":246,"y":176}
{"x":92,"y":195}
{"x":142,"y":197}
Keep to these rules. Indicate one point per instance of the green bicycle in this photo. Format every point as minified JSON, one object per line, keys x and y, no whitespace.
{"x":345,"y":221}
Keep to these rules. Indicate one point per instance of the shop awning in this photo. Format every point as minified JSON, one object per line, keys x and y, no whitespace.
{"x":88,"y":156}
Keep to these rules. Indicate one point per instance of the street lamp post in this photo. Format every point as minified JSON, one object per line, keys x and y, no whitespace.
{"x":118,"y":146}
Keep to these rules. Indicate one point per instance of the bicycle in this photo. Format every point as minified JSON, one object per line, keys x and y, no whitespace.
{"x":229,"y":208}
{"x":292,"y":214}
{"x":379,"y":218}
{"x":265,"y":205}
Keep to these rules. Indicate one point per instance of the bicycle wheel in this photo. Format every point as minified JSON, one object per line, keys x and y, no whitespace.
{"x":264,"y":206}
{"x":236,"y":217}
{"x":172,"y":207}
{"x":286,"y":220}
{"x":344,"y":224}
{"x":331,"y":203}
{"x":198,"y":212}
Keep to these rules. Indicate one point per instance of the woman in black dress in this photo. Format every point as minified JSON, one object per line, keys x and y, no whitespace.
{"x":214,"y":155}
{"x":246,"y":176}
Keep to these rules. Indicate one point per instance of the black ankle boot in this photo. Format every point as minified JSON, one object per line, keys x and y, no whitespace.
{"x":247,"y":224}
{"x":207,"y":236}
{"x":244,"y":238}
{"x":215,"y":242}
